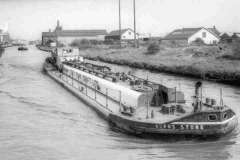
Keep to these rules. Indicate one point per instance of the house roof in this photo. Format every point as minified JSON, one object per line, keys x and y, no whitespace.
{"x":225,"y":35}
{"x":116,"y":32}
{"x":230,"y":34}
{"x":76,"y":33}
{"x":236,"y":35}
{"x":184,"y":33}
{"x":214,"y":30}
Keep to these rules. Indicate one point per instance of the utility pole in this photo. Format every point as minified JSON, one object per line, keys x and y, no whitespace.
{"x":120,"y":36}
{"x":135,"y":45}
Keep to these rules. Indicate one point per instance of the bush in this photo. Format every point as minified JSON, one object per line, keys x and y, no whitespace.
{"x":153,"y":48}
{"x":93,"y":41}
{"x":117,"y":42}
{"x":75,"y":43}
{"x":198,"y":41}
{"x":109,"y":42}
{"x":100,"y":42}
{"x":84,"y":47}
{"x":236,"y":48}
{"x":85,"y":42}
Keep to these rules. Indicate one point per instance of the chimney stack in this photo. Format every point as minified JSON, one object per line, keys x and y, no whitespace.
{"x":58,"y":24}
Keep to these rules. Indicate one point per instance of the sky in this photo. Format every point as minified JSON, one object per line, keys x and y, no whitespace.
{"x":29,"y":18}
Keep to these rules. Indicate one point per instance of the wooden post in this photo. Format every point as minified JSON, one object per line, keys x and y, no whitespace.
{"x":147,"y":107}
{"x":221,"y":100}
{"x":78,"y":83}
{"x":120,"y":37}
{"x":86,"y":87}
{"x":67,"y":77}
{"x":135,"y":44}
{"x":72,"y":78}
{"x":120,"y":97}
{"x":95,"y":91}
{"x":175,"y":95}
{"x":106,"y":97}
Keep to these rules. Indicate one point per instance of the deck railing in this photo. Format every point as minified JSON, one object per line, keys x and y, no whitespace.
{"x":87,"y":87}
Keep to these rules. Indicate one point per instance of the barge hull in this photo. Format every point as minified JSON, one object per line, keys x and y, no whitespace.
{"x":110,"y":112}
{"x":203,"y":129}
{"x":101,"y":110}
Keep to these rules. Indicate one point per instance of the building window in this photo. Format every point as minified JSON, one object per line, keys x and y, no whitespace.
{"x":129,"y":33}
{"x":204,"y":34}
{"x":123,"y":36}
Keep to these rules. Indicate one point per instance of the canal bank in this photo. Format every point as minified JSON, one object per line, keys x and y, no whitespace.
{"x":204,"y":62}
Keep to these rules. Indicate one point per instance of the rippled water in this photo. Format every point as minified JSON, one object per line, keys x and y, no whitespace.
{"x":39,"y":119}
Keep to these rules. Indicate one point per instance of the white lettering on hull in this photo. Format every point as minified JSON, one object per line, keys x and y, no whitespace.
{"x":182,"y":126}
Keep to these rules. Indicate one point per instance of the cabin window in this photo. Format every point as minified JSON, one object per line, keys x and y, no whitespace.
{"x":204,"y":34}
{"x":225,"y":116}
{"x":129,"y":33}
{"x":212,"y":117}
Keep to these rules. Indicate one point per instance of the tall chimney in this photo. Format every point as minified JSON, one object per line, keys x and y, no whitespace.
{"x":5,"y":30}
{"x":197,"y":105}
{"x":197,"y":88}
{"x":58,"y":24}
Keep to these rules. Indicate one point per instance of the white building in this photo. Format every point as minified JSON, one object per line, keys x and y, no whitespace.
{"x":126,"y":34}
{"x":4,"y":35}
{"x":4,"y":28}
{"x":188,"y":35}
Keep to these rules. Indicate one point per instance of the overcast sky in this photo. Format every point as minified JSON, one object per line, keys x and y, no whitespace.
{"x":28,"y":18}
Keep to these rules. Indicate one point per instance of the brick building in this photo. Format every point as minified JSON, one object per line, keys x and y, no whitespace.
{"x":68,"y":36}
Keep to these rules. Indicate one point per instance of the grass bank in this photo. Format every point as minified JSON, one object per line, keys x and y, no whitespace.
{"x":206,"y":62}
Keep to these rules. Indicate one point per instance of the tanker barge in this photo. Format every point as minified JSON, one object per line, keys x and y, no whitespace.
{"x":139,"y":106}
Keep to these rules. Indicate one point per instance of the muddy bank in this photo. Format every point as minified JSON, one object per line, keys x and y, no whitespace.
{"x":44,"y":48}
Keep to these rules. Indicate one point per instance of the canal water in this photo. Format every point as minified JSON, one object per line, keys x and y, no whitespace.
{"x":39,"y":119}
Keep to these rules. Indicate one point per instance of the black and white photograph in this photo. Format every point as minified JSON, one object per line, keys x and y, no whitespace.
{"x":119,"y":79}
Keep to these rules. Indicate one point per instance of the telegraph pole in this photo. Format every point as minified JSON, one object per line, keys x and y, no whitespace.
{"x":120,"y":36}
{"x":135,"y":45}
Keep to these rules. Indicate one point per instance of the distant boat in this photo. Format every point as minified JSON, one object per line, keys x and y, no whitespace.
{"x":22,"y":48}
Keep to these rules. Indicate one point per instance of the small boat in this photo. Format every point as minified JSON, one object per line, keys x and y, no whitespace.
{"x":139,"y":106}
{"x":22,"y":48}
